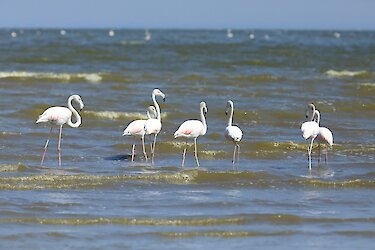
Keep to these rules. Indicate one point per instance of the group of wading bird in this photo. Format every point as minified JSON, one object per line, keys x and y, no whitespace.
{"x":58,"y":116}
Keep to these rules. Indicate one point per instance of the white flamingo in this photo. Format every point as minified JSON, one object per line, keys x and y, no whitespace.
{"x":153,"y":125}
{"x":192,"y":129}
{"x":147,"y":35}
{"x":324,"y":136}
{"x":310,"y":129}
{"x":59,"y":116}
{"x":232,"y":132}
{"x":137,"y":128}
{"x":230,"y":33}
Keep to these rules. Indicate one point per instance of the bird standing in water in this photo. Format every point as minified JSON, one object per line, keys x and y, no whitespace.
{"x":58,"y":116}
{"x":153,"y":125}
{"x":137,"y":128}
{"x":192,"y":129}
{"x":310,"y":129}
{"x":232,"y":132}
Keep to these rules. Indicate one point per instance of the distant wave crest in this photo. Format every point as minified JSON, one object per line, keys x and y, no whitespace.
{"x":347,"y":73}
{"x":90,"y":77}
{"x":113,"y":115}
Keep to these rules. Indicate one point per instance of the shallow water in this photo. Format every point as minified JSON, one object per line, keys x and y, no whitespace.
{"x":100,"y":199}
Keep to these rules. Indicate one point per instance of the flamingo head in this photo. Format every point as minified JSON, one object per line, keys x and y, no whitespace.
{"x":151,"y":111}
{"x":228,"y":107}
{"x":204,"y":107}
{"x":157,"y":92}
{"x":78,"y":99}
{"x":310,"y":110}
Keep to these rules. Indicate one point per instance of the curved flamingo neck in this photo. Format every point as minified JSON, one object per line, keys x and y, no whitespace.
{"x":75,"y":113}
{"x":156,"y":106}
{"x":203,"y":119}
{"x":317,"y":114}
{"x":230,"y":120}
{"x":313,"y":111}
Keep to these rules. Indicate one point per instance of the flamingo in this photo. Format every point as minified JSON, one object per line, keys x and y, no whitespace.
{"x":153,"y":125}
{"x":137,"y":128}
{"x":232,"y":132}
{"x":192,"y":129}
{"x":230,"y":33}
{"x":324,"y":136}
{"x":59,"y":116}
{"x":310,"y":130}
{"x":147,"y":35}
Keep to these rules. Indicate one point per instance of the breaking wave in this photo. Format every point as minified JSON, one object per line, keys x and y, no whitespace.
{"x":114,"y":115}
{"x":347,"y":73}
{"x":65,"y":77}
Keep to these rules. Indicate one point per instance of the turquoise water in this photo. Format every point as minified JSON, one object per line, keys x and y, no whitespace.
{"x":100,"y":199}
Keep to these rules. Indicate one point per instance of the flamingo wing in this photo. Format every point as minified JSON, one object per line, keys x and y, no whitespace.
{"x":55,"y":115}
{"x":309,"y":129}
{"x":325,"y":135}
{"x":135,"y":128}
{"x":152,"y":126}
{"x":233,"y":133}
{"x":190,"y":128}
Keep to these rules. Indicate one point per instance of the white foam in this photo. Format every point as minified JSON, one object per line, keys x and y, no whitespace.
{"x":113,"y":115}
{"x":368,"y":84}
{"x":90,"y":77}
{"x":344,"y":73}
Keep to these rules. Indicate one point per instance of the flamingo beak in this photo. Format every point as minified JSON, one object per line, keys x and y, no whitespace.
{"x":163,"y":99}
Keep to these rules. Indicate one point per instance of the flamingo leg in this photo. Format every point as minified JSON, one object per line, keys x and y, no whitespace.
{"x":153,"y":147}
{"x":238,"y":154}
{"x":195,"y":151}
{"x":45,"y":147}
{"x":149,"y":137}
{"x":234,"y":155}
{"x":326,"y":158}
{"x":309,"y":152}
{"x":133,"y":149}
{"x":59,"y":146}
{"x":183,"y":157}
{"x":143,"y":147}
{"x":319,"y":153}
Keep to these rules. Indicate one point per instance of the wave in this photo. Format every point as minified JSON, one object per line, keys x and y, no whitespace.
{"x":65,"y":77}
{"x":9,"y":134}
{"x":243,"y":219}
{"x":347,"y":73}
{"x":370,"y":85}
{"x":194,"y":176}
{"x":260,"y":78}
{"x":114,"y":115}
{"x":13,"y":167}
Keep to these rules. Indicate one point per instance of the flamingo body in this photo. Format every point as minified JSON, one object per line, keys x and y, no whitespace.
{"x":325,"y":136}
{"x":309,"y":129}
{"x":152,"y":126}
{"x":233,"y":133}
{"x":190,"y":129}
{"x":55,"y":116}
{"x":135,"y":128}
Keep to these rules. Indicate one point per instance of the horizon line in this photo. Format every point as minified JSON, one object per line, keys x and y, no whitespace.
{"x":180,"y":28}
